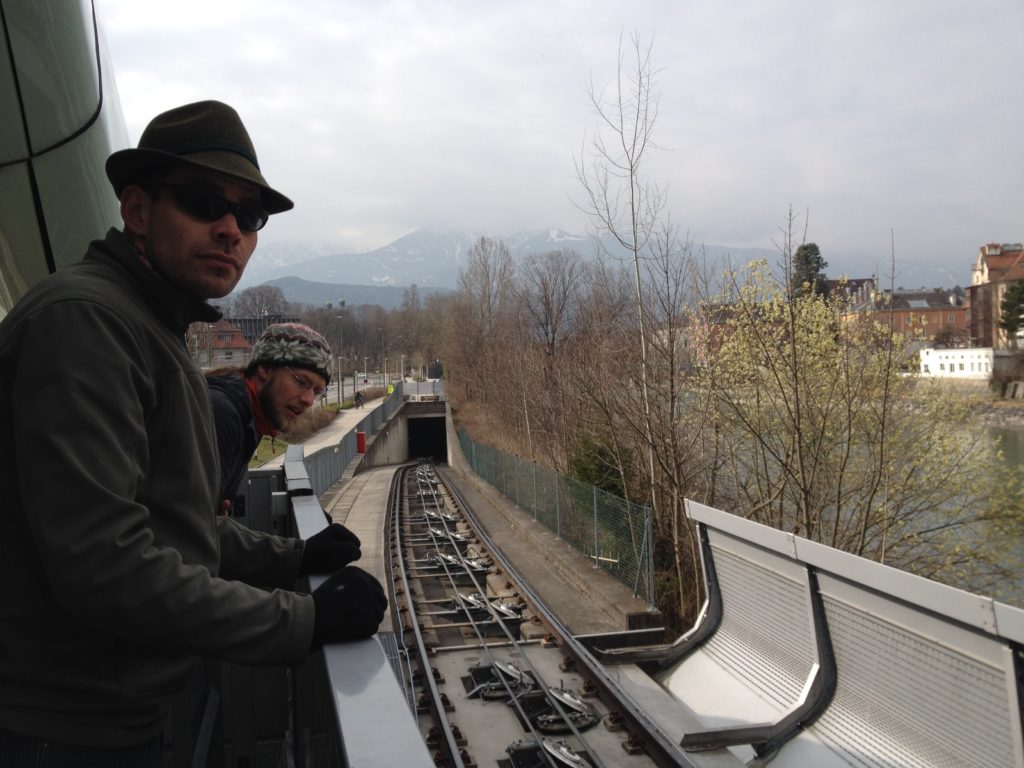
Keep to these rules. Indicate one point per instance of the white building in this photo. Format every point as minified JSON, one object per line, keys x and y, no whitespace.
{"x":973,"y":363}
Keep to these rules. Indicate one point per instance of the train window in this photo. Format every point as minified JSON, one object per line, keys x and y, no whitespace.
{"x":12,"y":135}
{"x":80,"y":206}
{"x":54,"y":50}
{"x":22,"y":261}
{"x":58,"y":127}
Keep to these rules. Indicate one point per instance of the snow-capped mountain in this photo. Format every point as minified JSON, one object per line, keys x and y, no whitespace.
{"x":433,"y":260}
{"x":428,"y":259}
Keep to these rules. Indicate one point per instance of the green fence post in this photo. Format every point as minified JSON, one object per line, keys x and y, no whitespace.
{"x":596,"y":561}
{"x":535,"y":490}
{"x":650,"y":557}
{"x":558,"y":512}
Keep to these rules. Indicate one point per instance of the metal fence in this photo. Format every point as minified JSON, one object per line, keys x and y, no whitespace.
{"x":613,"y":532}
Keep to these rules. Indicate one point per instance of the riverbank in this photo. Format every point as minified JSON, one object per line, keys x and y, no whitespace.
{"x":1002,"y":413}
{"x":989,"y":410}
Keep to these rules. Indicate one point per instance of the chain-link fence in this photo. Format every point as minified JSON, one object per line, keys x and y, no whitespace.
{"x":613,"y":532}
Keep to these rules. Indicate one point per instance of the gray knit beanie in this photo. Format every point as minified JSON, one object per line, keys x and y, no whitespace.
{"x":293,"y":344}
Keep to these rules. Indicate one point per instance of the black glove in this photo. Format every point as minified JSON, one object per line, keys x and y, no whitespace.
{"x":349,"y":606}
{"x":333,"y":548}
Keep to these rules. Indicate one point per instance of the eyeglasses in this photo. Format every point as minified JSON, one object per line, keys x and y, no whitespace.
{"x":303,"y":383}
{"x":209,"y":205}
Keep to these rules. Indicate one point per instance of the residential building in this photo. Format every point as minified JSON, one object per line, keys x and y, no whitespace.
{"x":252,"y":327}
{"x":846,"y":288}
{"x":935,"y":314}
{"x":214,"y":345}
{"x":973,"y":363}
{"x":995,"y":269}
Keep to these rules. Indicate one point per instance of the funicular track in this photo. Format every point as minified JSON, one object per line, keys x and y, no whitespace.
{"x":495,"y":679}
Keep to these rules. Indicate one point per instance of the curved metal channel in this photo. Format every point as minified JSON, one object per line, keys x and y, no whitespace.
{"x":666,"y":751}
{"x":666,"y":655}
{"x":395,"y":502}
{"x":768,"y":738}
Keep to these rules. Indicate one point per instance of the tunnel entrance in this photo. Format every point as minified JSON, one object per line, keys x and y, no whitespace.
{"x":427,"y":435}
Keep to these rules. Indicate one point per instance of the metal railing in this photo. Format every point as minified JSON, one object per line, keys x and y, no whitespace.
{"x":615,"y":533}
{"x":344,"y":706}
{"x":326,"y":466}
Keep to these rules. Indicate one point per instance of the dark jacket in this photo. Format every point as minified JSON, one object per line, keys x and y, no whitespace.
{"x":115,"y":571}
{"x":236,"y":430}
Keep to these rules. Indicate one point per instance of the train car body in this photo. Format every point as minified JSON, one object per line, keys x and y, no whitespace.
{"x":60,"y":118}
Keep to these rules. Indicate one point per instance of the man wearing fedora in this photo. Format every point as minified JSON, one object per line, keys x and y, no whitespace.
{"x":117,"y":574}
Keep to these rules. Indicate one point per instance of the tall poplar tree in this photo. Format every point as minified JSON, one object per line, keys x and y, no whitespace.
{"x":809,"y":270}
{"x":1012,"y":312}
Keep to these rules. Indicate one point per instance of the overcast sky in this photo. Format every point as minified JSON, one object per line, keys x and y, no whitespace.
{"x":900,"y":118}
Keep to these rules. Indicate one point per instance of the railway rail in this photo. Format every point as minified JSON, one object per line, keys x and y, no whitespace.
{"x":493,"y":676}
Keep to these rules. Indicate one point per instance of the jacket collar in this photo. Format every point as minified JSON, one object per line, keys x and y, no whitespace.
{"x":175,"y":307}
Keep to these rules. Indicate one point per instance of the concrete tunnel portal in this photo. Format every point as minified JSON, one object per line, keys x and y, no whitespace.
{"x":427,"y":438}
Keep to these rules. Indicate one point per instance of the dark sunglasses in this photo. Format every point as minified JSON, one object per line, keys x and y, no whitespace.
{"x":209,"y":205}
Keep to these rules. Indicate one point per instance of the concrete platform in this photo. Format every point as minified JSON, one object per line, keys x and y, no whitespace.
{"x":360,"y":504}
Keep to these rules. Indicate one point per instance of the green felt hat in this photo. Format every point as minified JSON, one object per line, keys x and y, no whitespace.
{"x":207,"y":135}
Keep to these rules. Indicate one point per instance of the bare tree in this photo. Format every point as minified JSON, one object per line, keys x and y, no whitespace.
{"x":629,"y":213}
{"x":473,"y":348}
{"x":547,"y":293}
{"x":259,"y":301}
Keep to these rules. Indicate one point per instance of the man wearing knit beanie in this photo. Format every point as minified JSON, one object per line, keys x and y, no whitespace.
{"x":290,"y":366}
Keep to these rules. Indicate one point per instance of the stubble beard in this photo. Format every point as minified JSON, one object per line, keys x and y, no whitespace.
{"x":272,"y":413}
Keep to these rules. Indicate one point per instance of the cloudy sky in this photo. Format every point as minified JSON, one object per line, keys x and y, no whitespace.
{"x":877,"y":121}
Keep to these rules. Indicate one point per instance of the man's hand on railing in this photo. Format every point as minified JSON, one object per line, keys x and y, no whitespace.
{"x":349,"y":606}
{"x":333,"y":548}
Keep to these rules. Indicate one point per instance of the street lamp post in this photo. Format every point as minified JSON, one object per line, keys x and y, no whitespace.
{"x":341,"y":378}
{"x":341,"y":349}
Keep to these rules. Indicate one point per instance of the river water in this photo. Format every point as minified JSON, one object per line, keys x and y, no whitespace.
{"x":1012,"y":443}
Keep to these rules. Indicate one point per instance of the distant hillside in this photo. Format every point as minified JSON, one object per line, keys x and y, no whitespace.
{"x":427,"y":259}
{"x":434,"y":260}
{"x":300,"y":291}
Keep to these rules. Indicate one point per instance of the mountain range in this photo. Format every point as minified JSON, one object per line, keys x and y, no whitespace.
{"x":423,"y":258}
{"x":314,"y":273}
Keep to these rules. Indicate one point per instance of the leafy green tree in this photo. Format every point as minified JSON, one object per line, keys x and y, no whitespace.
{"x":1012,"y":311}
{"x":808,"y":270}
{"x":823,"y":437}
